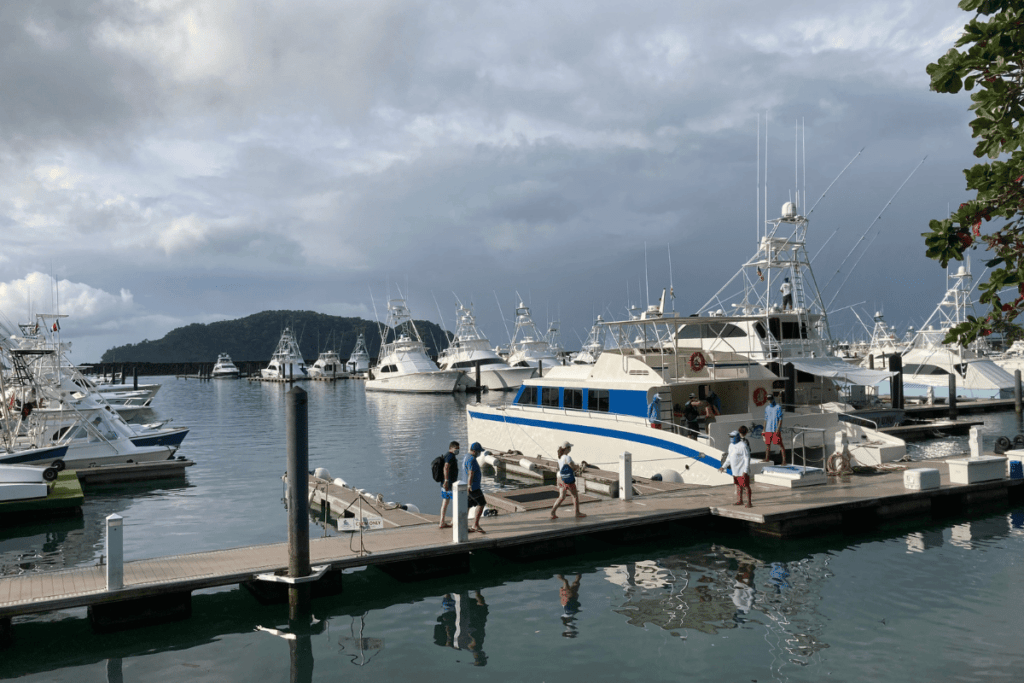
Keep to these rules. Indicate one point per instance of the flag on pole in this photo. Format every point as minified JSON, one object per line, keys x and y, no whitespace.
{"x":760,"y":274}
{"x":56,"y":326}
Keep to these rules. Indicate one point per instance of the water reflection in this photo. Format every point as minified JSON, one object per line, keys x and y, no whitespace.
{"x":462,"y":624}
{"x":569,"y":594}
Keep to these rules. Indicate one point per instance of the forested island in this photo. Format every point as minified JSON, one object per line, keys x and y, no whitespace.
{"x":255,"y":338}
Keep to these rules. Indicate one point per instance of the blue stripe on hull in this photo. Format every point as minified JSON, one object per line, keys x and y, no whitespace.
{"x":46,"y":455}
{"x":601,"y":431}
{"x":172,"y":439}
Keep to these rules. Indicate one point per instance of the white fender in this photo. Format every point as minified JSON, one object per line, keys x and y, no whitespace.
{"x":671,"y":476}
{"x":527,"y":465}
{"x":322,"y":473}
{"x":338,"y":481}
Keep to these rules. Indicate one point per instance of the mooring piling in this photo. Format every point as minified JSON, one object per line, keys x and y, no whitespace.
{"x":297,"y":438}
{"x":626,"y":476}
{"x":952,"y":397}
{"x":115,"y":552}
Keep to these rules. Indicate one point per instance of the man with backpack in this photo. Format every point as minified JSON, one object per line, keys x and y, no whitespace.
{"x":450,"y":467}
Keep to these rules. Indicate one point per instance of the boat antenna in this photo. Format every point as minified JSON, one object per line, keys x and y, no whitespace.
{"x":796,"y":162}
{"x":803,"y":125}
{"x":440,"y":317}
{"x":825,"y":193}
{"x":877,"y":218}
{"x":504,"y":322}
{"x":671,"y":289}
{"x":647,"y":276}
{"x":766,"y":172}
{"x":757,"y":197}
{"x":380,"y":328}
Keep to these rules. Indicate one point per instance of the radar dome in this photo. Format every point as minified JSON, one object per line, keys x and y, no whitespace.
{"x":789,"y":210}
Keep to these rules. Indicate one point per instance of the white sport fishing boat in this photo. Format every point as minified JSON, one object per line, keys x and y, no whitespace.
{"x":593,"y":346}
{"x":287,"y":362}
{"x":328,"y":365}
{"x":403,"y":364}
{"x":470,"y":348}
{"x":529,"y":348}
{"x":359,"y":360}
{"x":224,"y":368}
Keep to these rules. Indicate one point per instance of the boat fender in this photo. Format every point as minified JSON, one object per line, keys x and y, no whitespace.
{"x":409,"y":507}
{"x":491,"y":460}
{"x":338,"y":481}
{"x":59,"y":465}
{"x":50,"y":474}
{"x":1003,"y":444}
{"x":1018,"y":441}
{"x":322,"y":473}
{"x":656,"y":477}
{"x":527,"y":465}
{"x":671,"y":476}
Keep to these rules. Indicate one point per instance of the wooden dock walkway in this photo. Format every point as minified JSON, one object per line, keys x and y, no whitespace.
{"x":855,"y":502}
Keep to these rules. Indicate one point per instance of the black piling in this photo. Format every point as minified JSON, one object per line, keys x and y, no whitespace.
{"x":789,"y":397}
{"x":480,"y":388}
{"x":135,"y":378}
{"x":871,"y":361}
{"x":896,"y":382}
{"x":297,"y":438}
{"x":1017,"y":392}
{"x":952,"y":397}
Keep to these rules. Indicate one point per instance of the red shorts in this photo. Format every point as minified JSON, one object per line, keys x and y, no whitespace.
{"x":772,"y":438}
{"x":742,"y":481}
{"x":568,"y":487}
{"x":655,"y":425}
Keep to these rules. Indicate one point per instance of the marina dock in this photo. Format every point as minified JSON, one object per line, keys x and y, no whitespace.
{"x":412,"y":547}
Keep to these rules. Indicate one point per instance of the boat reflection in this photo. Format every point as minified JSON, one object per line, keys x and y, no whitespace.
{"x":462,"y":623}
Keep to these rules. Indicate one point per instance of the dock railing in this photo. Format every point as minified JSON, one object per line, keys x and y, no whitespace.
{"x":801,"y":433}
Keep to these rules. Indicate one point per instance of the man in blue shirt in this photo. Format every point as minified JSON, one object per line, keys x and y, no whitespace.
{"x":773,"y":428}
{"x":654,"y":412}
{"x":475,"y":499}
{"x":451,"y":471}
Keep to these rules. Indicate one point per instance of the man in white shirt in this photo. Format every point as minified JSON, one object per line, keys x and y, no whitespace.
{"x":787,"y":295}
{"x":738,"y":461}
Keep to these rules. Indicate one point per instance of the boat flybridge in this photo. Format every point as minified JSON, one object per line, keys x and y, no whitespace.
{"x":529,"y":348}
{"x":593,"y":346}
{"x":469,"y":348}
{"x":328,"y":365}
{"x":287,"y":362}
{"x":929,"y":362}
{"x":404,"y":364}
{"x":224,"y":368}
{"x":359,"y":359}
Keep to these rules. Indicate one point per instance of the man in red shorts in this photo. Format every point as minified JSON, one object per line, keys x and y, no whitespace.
{"x":773,"y":428}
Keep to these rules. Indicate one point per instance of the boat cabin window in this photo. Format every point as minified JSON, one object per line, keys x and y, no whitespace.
{"x":472,"y":363}
{"x":759,"y":328}
{"x":924,"y":370}
{"x":709,"y":331}
{"x":527,"y":397}
{"x":572,"y":399}
{"x":389,"y":368}
{"x":597,"y":400}
{"x":549,"y":396}
{"x":804,"y":377}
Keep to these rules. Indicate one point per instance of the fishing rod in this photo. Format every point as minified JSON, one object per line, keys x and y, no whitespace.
{"x":857,"y":243}
{"x":823,"y":196}
{"x":503,"y":321}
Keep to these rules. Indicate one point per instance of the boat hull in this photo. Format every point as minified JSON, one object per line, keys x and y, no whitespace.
{"x":504,"y":379}
{"x":442,"y":382}
{"x":170,"y":437}
{"x":34,"y":456}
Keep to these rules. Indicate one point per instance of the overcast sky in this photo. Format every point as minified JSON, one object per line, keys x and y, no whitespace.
{"x":171,"y":162}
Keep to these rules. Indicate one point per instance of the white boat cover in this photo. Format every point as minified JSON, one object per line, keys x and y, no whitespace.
{"x":840,"y":371}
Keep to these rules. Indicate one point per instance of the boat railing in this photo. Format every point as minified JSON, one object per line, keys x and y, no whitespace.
{"x":801,"y":432}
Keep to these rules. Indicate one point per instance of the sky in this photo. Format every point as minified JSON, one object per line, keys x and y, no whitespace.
{"x":166,"y":162}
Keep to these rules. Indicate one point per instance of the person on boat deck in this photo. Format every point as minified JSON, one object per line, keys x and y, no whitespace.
{"x":476,"y":499}
{"x":567,"y":471}
{"x":714,"y":401}
{"x":451,"y":471}
{"x":693,"y":411}
{"x":737,"y":459}
{"x":654,"y":412}
{"x":787,"y":295}
{"x":773,"y":428}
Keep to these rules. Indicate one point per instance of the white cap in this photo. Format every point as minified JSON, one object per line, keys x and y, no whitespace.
{"x":565,"y":444}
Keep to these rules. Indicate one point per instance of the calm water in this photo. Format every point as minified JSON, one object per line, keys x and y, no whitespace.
{"x":941,"y":602}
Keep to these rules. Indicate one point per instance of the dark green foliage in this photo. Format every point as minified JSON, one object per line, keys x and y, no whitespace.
{"x":991,"y":69}
{"x":255,"y":338}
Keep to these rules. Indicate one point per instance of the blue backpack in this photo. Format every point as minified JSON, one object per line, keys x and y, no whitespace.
{"x":567,"y":475}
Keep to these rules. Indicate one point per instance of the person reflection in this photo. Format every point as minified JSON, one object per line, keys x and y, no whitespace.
{"x":743,"y":590}
{"x":570,"y":596}
{"x":462,"y":623}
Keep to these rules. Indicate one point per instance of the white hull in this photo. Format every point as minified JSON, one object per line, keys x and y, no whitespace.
{"x":504,"y":379}
{"x":441,"y":382}
{"x":216,"y":374}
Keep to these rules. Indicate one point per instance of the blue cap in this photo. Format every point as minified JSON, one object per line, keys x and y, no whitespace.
{"x":476,"y":447}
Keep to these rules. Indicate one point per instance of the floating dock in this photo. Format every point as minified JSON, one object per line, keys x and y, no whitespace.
{"x":63,"y":499}
{"x":141,"y":471}
{"x":410,"y":545}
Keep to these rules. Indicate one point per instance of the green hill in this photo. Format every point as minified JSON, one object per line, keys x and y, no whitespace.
{"x":255,"y":338}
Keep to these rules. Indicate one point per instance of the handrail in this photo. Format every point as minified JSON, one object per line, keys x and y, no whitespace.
{"x":802,"y":434}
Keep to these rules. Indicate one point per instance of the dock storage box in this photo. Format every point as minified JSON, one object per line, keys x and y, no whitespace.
{"x":974,"y":470}
{"x":921,"y":479}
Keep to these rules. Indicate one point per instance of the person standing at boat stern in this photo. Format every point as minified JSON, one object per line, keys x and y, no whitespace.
{"x":773,"y":428}
{"x":567,"y":471}
{"x":476,"y":499}
{"x":737,"y":459}
{"x":451,"y":471}
{"x":787,"y":295}
{"x":654,"y":412}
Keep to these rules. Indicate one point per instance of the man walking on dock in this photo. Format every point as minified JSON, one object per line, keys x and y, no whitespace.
{"x":567,"y":471}
{"x":773,"y":428}
{"x":451,"y":470}
{"x":738,"y":461}
{"x":473,"y":476}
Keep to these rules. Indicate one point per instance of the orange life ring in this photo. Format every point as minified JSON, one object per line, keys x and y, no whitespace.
{"x":760,"y":397}
{"x":697,"y":361}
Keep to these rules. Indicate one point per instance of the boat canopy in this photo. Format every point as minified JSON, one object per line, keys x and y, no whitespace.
{"x":840,"y":371}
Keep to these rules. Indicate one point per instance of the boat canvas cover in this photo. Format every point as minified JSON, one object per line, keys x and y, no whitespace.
{"x":840,"y":371}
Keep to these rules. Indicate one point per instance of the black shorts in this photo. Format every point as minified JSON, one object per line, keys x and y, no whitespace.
{"x":475,"y":499}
